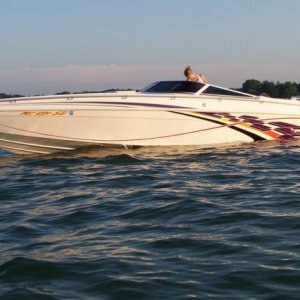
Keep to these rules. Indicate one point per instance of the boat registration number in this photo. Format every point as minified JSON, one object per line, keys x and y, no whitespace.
{"x":44,"y":113}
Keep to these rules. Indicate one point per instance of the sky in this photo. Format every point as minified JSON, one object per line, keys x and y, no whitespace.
{"x":50,"y":46}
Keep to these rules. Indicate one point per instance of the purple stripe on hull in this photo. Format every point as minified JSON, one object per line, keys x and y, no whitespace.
{"x":285,"y":125}
{"x":260,"y":126}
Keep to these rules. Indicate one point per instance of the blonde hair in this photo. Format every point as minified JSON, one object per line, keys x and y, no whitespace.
{"x":188,"y":70}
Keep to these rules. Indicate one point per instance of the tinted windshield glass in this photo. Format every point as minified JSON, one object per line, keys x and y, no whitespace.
{"x":174,"y":87}
{"x":218,"y":91}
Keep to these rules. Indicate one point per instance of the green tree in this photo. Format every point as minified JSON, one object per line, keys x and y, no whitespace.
{"x":288,"y":90}
{"x":252,"y":86}
{"x":268,"y":88}
{"x":276,"y":90}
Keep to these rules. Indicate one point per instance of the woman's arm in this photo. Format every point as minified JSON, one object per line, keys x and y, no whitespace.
{"x":203,"y":78}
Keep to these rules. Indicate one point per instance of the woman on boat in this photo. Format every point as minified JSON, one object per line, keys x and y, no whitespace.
{"x":191,"y":76}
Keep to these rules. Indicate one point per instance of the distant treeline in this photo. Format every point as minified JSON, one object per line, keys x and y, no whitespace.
{"x":269,"y":88}
{"x":90,"y":92}
{"x":3,"y":95}
{"x":252,"y":86}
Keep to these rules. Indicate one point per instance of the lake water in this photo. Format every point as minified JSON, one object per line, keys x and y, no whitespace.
{"x":153,"y":223}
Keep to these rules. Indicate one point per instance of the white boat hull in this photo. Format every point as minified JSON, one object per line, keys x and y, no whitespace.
{"x":58,"y":123}
{"x":47,"y":134}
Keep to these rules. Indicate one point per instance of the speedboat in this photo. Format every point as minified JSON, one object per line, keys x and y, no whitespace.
{"x":165,"y":113}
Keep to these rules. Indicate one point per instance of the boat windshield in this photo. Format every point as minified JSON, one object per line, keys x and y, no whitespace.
{"x":174,"y":87}
{"x":213,"y":90}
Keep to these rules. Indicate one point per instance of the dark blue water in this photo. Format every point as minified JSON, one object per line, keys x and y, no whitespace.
{"x":156,"y":223}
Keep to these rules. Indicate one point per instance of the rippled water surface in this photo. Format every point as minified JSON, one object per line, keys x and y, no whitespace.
{"x":159,"y":223}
